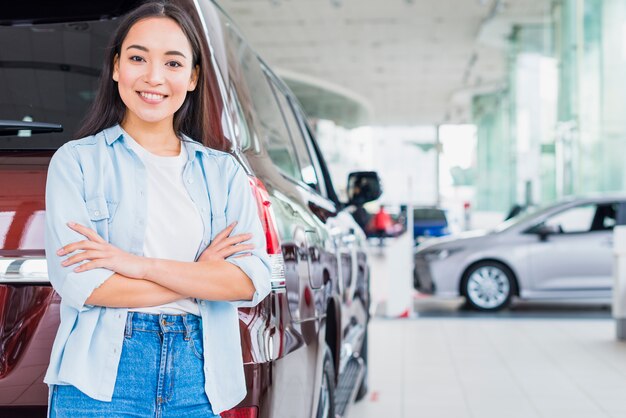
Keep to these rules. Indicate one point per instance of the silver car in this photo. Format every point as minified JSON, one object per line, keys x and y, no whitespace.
{"x":560,"y":251}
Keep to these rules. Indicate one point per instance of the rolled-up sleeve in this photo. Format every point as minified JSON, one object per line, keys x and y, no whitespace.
{"x":241,"y":206}
{"x":65,"y":202}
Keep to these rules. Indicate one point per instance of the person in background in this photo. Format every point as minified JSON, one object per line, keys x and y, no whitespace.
{"x":382,"y":224}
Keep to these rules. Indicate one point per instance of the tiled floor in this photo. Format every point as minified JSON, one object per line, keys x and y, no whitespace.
{"x":493,"y":367}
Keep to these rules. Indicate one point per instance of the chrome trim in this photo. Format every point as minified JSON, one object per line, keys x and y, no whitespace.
{"x":277,"y":279}
{"x":352,"y":342}
{"x":23,"y":270}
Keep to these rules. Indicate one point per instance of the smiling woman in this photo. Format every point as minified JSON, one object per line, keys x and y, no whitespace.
{"x":133,"y":243}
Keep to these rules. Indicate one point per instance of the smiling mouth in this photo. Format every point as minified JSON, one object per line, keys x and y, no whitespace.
{"x":151,"y":97}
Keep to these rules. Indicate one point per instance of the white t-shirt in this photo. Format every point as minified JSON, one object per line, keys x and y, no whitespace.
{"x":174,"y":226}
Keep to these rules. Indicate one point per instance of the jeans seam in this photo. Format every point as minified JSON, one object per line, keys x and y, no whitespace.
{"x":194,"y":349}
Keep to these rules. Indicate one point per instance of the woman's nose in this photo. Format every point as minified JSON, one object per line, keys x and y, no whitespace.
{"x":154,"y":74}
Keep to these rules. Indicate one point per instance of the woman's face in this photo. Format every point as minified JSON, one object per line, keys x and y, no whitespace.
{"x":154,"y":70}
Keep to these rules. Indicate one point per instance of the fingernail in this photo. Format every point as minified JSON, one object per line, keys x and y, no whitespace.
{"x":71,"y":224}
{"x":60,"y":252}
{"x":234,"y":223}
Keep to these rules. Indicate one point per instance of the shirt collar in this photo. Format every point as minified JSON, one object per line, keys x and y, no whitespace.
{"x":115,"y":133}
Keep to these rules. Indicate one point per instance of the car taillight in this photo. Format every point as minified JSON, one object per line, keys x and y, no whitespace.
{"x":271,"y":232}
{"x":247,"y":412}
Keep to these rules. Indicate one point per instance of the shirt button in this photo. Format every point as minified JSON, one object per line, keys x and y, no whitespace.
{"x":115,"y":350}
{"x":189,"y":180}
{"x":97,"y":213}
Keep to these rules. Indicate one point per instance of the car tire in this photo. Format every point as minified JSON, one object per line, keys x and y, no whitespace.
{"x":326,"y":403}
{"x":488,"y":286}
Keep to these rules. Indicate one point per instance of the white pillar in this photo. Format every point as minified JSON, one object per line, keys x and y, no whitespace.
{"x":619,"y":286}
{"x":399,"y":257}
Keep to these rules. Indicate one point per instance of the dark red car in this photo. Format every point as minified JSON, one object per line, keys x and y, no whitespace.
{"x":305,"y":345}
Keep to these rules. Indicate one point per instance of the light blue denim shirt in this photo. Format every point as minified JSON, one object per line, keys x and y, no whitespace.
{"x":100,"y":182}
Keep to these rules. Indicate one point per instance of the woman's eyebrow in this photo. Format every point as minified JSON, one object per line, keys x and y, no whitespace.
{"x":143,"y":48}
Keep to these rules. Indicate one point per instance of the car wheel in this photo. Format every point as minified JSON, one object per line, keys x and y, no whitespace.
{"x":326,"y":404}
{"x":488,"y":286}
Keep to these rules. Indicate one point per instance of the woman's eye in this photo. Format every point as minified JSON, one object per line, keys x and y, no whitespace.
{"x":175,"y":64}
{"x":136,"y":58}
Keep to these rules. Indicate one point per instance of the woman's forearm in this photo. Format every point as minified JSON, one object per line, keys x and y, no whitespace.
{"x":122,"y":292}
{"x":211,"y":280}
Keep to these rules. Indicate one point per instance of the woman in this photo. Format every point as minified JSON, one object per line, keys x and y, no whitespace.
{"x":149,"y":325}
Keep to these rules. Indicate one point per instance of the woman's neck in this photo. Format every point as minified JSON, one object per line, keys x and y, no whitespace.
{"x":158,"y":138}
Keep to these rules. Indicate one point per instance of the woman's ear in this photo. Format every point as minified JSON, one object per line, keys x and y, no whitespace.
{"x":193,"y":81}
{"x":116,"y":67}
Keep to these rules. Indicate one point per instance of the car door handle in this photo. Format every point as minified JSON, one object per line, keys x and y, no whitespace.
{"x":290,"y":209}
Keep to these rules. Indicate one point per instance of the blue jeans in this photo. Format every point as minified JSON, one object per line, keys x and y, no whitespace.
{"x":160,"y":374}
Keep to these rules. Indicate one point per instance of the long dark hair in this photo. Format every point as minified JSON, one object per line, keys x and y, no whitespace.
{"x":200,"y":115}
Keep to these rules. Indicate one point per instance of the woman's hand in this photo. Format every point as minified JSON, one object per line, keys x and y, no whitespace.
{"x":101,"y":254}
{"x":223,"y":246}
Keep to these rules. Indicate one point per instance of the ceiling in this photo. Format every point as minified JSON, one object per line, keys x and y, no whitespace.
{"x":394,"y":62}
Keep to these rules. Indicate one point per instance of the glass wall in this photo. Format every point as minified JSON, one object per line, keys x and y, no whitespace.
{"x":558,"y":128}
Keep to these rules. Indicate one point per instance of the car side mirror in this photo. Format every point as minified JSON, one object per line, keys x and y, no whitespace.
{"x":543,"y":231}
{"x":363,"y":187}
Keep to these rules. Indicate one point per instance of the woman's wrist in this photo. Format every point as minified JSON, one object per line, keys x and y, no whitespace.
{"x":150,"y":266}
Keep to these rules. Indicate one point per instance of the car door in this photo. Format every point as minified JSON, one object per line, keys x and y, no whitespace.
{"x":579,"y":257}
{"x":319,"y":247}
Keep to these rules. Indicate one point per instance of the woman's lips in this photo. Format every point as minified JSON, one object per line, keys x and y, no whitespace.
{"x":152,"y":98}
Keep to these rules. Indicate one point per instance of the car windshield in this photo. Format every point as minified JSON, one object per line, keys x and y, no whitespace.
{"x":525,"y":215}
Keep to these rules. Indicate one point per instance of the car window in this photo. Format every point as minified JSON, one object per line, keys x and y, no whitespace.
{"x":270,"y":124}
{"x":605,"y":217}
{"x":307,"y":169}
{"x":242,"y":132}
{"x":49,"y":73}
{"x":428,"y":214}
{"x":584,"y":218}
{"x":323,"y":186}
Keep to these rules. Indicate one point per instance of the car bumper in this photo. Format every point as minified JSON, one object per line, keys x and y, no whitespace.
{"x":422,"y":277}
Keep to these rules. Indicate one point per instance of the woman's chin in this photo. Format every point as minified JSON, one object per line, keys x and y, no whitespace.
{"x":152,"y":118}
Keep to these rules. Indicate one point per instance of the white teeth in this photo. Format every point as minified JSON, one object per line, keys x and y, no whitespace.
{"x":152,"y":96}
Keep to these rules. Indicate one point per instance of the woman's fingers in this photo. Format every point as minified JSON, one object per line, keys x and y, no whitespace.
{"x":85,"y":255}
{"x":79,"y":245}
{"x":234,"y":240}
{"x":87,"y":232}
{"x":227,"y":242}
{"x":90,"y":265}
{"x":234,"y":249}
{"x":226,"y":232}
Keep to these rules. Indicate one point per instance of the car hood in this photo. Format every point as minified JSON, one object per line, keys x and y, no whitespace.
{"x":461,"y":239}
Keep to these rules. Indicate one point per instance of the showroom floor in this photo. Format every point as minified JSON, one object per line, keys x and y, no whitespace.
{"x":528,"y":363}
{"x":536,"y":359}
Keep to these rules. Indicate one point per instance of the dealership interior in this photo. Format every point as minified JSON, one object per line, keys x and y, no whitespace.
{"x":504,"y":116}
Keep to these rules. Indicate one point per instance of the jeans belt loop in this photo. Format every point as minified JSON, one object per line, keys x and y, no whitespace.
{"x":128,"y":331}
{"x":187,"y":328}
